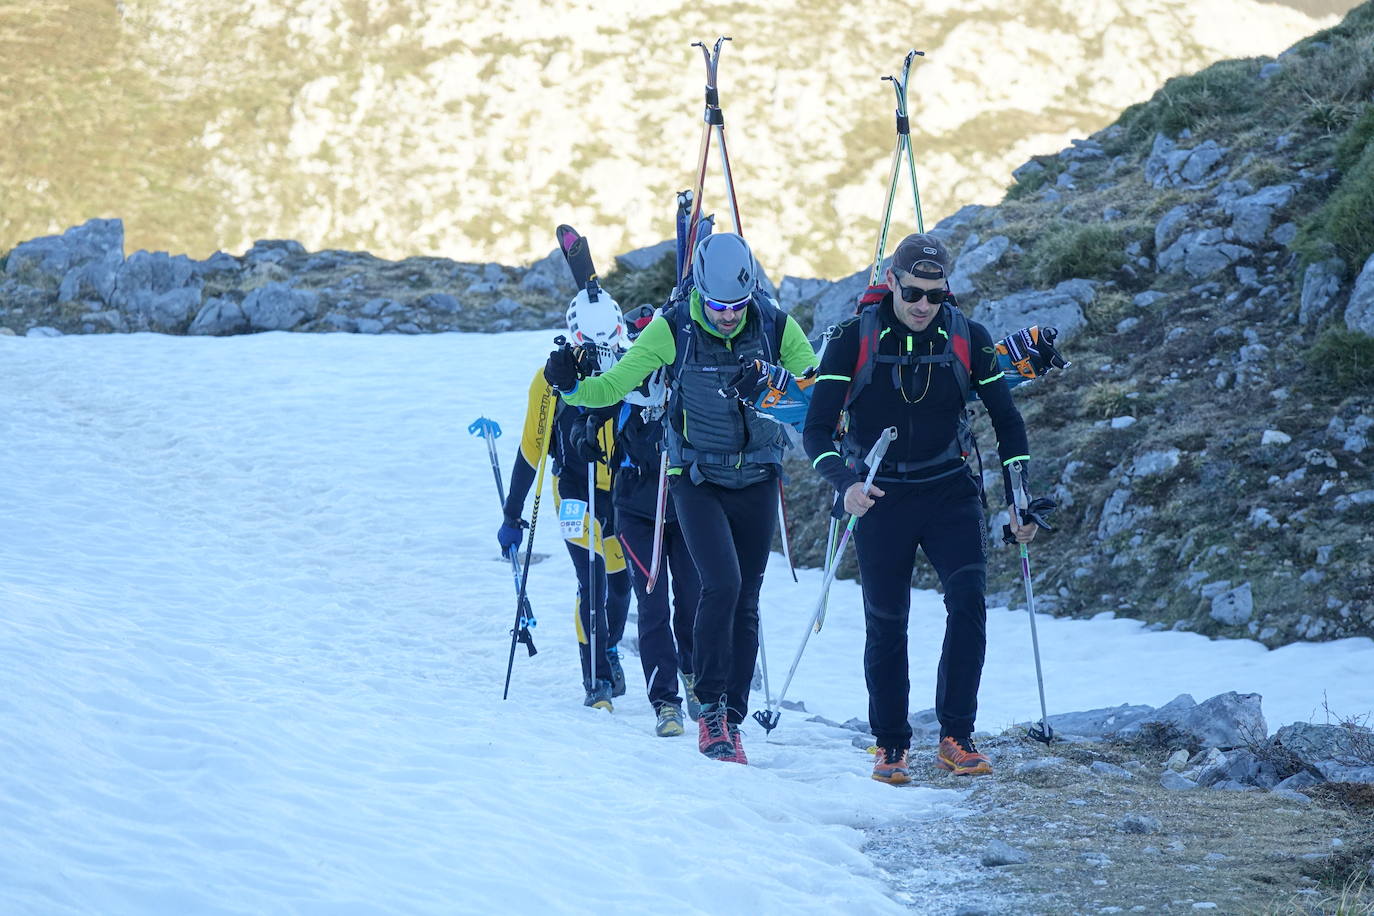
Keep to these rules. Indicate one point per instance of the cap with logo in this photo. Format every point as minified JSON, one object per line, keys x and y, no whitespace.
{"x":921,"y":255}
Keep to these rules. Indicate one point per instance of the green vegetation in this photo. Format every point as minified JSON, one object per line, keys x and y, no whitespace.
{"x":1355,"y":141}
{"x":1225,"y":88}
{"x":1344,"y":357}
{"x":636,"y":287}
{"x":1067,"y":250}
{"x":1343,"y":225}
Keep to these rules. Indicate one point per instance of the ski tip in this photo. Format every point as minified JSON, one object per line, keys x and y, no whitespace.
{"x":567,"y":236}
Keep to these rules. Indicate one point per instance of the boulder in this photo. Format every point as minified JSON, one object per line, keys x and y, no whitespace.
{"x":644,"y":258}
{"x":1095,"y":723}
{"x":1359,"y":313}
{"x":278,"y":307}
{"x":1172,"y":224}
{"x":440,"y":303}
{"x":218,"y":317}
{"x":1234,"y":607}
{"x":1252,"y":215}
{"x":1318,"y":746}
{"x":1225,"y":721}
{"x":1167,"y":166}
{"x":550,"y":274}
{"x":1061,"y":308}
{"x":46,"y":261}
{"x":1321,"y":282}
{"x":837,"y":303}
{"x":973,"y":263}
{"x":795,"y":290}
{"x":1201,"y":253}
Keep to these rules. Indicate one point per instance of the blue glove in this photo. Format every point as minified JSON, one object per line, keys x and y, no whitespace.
{"x":509,"y":535}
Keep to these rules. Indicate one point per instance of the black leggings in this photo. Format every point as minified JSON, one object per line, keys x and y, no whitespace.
{"x":612,"y":605}
{"x":945,"y":520}
{"x":665,"y":639}
{"x":729,"y":533}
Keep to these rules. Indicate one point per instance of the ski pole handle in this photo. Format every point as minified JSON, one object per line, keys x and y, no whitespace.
{"x":483,"y":427}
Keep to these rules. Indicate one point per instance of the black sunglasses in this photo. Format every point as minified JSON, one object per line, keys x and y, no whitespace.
{"x":915,"y":294}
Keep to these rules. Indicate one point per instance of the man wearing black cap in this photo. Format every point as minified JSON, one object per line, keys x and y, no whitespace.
{"x":911,"y":359}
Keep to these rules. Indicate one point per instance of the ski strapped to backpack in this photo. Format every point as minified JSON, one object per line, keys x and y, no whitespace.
{"x":903,"y":146}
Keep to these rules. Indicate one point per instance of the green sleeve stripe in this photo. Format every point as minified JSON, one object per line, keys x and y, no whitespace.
{"x":833,"y":378}
{"x":1017,"y":458}
{"x":673,"y":472}
{"x":884,"y":333}
{"x":822,"y":456}
{"x":989,"y":381}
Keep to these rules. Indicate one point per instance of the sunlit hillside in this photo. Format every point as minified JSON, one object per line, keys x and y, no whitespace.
{"x":469,"y":129}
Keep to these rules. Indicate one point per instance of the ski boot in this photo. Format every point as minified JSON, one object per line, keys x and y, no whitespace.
{"x":669,"y":724}
{"x":960,"y":757}
{"x":617,"y":672}
{"x":598,"y":695}
{"x":689,"y":691}
{"x":713,"y":733}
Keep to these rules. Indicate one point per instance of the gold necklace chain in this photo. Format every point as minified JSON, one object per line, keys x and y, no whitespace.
{"x":930,"y":370}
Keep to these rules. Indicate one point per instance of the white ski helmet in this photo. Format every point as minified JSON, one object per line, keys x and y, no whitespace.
{"x":598,"y":325}
{"x":724,"y":269}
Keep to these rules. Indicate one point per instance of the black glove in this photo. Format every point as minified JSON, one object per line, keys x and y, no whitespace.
{"x":757,"y":383}
{"x":584,"y":440}
{"x":560,"y":370}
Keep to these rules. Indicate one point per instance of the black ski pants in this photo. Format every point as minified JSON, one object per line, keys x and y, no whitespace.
{"x":612,"y":606}
{"x":945,"y":520}
{"x":729,"y":533}
{"x":665,"y":634}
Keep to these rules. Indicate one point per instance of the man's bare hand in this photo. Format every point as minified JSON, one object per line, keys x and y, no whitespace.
{"x":856,"y":503}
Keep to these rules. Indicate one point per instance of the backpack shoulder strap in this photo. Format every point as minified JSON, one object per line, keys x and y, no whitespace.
{"x":868,"y":349}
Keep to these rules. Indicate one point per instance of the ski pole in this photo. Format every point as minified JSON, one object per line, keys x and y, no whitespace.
{"x":490,"y":430}
{"x":829,"y":559}
{"x":782,"y":529}
{"x":593,"y":586}
{"x":769,"y":718}
{"x":1021,"y":503}
{"x":521,"y":633}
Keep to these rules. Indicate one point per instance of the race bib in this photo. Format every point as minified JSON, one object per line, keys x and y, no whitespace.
{"x":572,"y":518}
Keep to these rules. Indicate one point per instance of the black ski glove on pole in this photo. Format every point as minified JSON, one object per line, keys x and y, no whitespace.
{"x":584,"y":440}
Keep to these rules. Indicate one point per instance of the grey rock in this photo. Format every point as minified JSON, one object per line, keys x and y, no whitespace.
{"x":1026,"y":170}
{"x":976,"y":262}
{"x":1126,"y":325}
{"x":482,"y":288}
{"x":1118,"y":514}
{"x":218,"y":317}
{"x":1252,"y":215}
{"x":1139,"y":823}
{"x":1270,"y":70}
{"x":1173,"y":224}
{"x":1202,"y":162}
{"x":1061,"y":308}
{"x":273,"y":250}
{"x":1296,"y":798}
{"x":924,"y":724}
{"x":1321,"y":282}
{"x":1153,"y":462}
{"x":440,"y":303}
{"x":1234,"y":607}
{"x":1359,"y":313}
{"x":1176,"y":782}
{"x":1168,"y":166}
{"x":863,"y":742}
{"x":1285,"y":234}
{"x":1313,"y":744}
{"x":42,"y":330}
{"x":1302,"y":779}
{"x":1112,"y":214}
{"x":219,"y":262}
{"x":169,"y":311}
{"x":837,"y":303}
{"x":1201,"y":253}
{"x":795,"y":290}
{"x":278,"y":307}
{"x":1240,"y":766}
{"x":1350,"y":501}
{"x":998,"y":853}
{"x":506,"y":306}
{"x":1224,"y":721}
{"x":493,"y":274}
{"x":1231,"y":785}
{"x":47,"y":260}
{"x":157,"y":291}
{"x":1335,"y":771}
{"x":947,"y":227}
{"x":644,"y":258}
{"x":1096,"y":723}
{"x":369,"y":326}
{"x":549,"y":273}
{"x":1148,"y":298}
{"x":373,"y":307}
{"x":1103,"y":768}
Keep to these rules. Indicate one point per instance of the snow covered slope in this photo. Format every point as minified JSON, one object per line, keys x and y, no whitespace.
{"x":253,"y":627}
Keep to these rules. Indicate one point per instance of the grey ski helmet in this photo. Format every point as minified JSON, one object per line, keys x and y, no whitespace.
{"x":724,"y":268}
